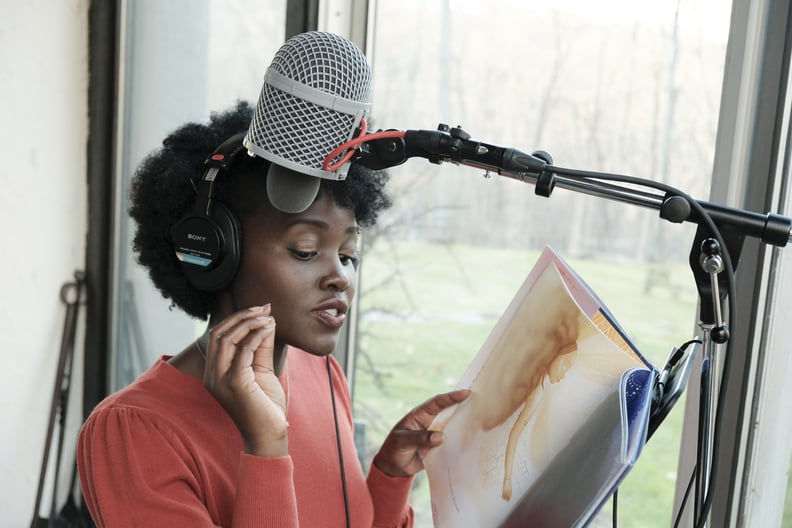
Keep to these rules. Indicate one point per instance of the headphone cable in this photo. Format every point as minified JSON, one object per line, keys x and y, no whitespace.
{"x":338,"y":441}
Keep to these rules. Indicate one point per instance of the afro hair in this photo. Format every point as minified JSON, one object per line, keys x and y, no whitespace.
{"x":162,"y":191}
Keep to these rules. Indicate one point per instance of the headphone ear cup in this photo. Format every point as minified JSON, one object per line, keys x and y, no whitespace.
{"x":221,"y":275}
{"x":207,"y":241}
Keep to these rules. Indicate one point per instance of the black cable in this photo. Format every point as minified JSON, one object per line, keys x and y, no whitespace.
{"x":669,"y":366}
{"x":338,"y":442}
{"x":615,"y":507}
{"x":685,"y":497}
{"x":681,"y":350}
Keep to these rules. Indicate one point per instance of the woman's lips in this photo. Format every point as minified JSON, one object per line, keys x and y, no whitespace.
{"x":331,"y":317}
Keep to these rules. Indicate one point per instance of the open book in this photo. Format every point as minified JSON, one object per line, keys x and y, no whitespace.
{"x":559,"y":412}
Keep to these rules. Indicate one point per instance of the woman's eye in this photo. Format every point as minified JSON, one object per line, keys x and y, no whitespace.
{"x":303,"y":255}
{"x":350,"y":259}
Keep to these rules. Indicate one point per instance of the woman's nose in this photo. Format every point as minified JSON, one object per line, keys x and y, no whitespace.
{"x":338,"y":276}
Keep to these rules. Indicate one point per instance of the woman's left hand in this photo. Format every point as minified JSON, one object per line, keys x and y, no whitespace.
{"x":398,"y":456}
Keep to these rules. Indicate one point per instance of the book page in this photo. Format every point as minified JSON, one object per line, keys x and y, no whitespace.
{"x":590,"y":304}
{"x":545,"y":369}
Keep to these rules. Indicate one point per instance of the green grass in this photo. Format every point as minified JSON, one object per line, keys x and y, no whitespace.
{"x":787,"y":519}
{"x":426,"y":310}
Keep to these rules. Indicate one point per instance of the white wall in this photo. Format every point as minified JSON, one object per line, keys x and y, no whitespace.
{"x":43,"y":104}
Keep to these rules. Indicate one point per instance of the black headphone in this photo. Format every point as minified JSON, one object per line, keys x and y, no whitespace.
{"x":207,"y":240}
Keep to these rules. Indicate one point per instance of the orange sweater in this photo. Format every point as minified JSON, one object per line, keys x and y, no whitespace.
{"x":162,"y":452}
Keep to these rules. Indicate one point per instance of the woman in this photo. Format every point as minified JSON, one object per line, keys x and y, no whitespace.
{"x":250,"y":424}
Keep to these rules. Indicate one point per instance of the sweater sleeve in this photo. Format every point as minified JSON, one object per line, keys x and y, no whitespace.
{"x":390,"y":496}
{"x":269,"y":501}
{"x":135,"y":471}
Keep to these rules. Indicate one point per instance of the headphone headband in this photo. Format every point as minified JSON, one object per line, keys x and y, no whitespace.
{"x":206,"y":241}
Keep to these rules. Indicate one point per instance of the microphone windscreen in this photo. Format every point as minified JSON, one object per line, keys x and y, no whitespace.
{"x":315,"y":93}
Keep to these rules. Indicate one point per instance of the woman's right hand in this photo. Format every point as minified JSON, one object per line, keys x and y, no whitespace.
{"x":239,"y":373}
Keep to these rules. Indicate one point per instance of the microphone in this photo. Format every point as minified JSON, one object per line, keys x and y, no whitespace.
{"x":381,"y":150}
{"x":315,"y":96}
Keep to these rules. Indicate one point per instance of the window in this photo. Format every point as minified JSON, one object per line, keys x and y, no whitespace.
{"x":615,"y":87}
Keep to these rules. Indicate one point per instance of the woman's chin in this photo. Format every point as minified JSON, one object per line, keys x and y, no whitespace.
{"x":321,"y":348}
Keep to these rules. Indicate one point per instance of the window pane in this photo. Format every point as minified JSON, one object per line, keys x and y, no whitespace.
{"x":218,"y":55}
{"x":622,"y":87}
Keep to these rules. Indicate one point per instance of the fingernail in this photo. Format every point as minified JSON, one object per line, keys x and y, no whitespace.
{"x":258,"y":308}
{"x":269,"y":320}
{"x":436,"y":437}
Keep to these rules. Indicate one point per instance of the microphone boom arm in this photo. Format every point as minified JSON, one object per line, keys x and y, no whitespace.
{"x":454,"y":145}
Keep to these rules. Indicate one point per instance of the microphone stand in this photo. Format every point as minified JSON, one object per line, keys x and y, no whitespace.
{"x":719,"y":239}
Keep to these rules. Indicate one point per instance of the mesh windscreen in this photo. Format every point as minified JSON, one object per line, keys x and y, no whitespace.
{"x":298,"y":133}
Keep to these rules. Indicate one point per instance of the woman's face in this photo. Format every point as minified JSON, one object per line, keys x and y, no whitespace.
{"x":305,"y":265}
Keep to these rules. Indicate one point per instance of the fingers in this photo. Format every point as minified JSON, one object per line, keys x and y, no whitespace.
{"x":254,"y":350}
{"x":399,"y":454}
{"x":265,"y":349}
{"x":240,"y":375}
{"x":425,"y":413}
{"x":421,"y":438}
{"x":234,"y":342}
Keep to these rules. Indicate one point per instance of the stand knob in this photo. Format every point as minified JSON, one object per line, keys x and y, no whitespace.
{"x":720,"y":334}
{"x":545,"y":181}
